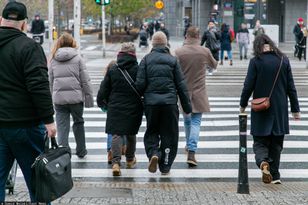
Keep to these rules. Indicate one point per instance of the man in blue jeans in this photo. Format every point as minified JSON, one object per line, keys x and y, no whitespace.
{"x":194,"y":59}
{"x":26,"y":110}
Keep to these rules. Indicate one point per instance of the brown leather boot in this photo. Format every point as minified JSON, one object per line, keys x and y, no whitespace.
{"x":109,"y":157}
{"x":131,"y":163}
{"x":116,"y":170}
{"x":266,"y":174}
{"x":191,"y":160}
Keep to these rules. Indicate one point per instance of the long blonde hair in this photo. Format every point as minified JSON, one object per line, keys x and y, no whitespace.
{"x":65,"y":40}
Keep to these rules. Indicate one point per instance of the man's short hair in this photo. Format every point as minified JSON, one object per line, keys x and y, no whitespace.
{"x":193,"y":32}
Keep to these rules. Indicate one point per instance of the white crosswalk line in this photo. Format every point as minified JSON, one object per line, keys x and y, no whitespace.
{"x":220,"y":123}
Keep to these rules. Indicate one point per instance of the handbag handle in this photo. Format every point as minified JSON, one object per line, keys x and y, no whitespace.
{"x":54,"y":144}
{"x":276,"y":78}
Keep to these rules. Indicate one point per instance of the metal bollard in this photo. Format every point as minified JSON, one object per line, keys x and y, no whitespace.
{"x":243,"y":185}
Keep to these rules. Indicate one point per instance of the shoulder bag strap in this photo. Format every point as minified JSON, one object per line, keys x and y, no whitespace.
{"x":129,"y":79}
{"x":276,"y":77}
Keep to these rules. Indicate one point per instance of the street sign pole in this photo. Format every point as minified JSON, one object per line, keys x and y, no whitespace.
{"x":77,"y":17}
{"x":307,"y":36}
{"x":103,"y":31}
{"x":243,"y":184}
{"x":50,"y":22}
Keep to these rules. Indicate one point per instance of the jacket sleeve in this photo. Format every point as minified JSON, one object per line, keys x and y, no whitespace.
{"x":182,"y":88}
{"x":86,"y":85}
{"x":292,"y":93}
{"x":104,"y":91}
{"x":249,"y":84}
{"x":36,"y":81}
{"x":204,"y":38}
{"x":141,"y":77}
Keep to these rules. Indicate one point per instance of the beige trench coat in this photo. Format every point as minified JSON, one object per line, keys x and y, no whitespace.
{"x":194,"y":59}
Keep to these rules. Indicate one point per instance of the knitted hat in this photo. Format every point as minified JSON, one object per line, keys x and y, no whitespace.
{"x":300,"y":19}
{"x":128,"y":48}
{"x":159,"y":39}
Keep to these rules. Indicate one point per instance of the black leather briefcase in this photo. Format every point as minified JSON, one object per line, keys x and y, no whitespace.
{"x":52,"y":173}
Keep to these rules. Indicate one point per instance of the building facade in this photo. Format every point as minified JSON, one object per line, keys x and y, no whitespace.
{"x":283,"y":13}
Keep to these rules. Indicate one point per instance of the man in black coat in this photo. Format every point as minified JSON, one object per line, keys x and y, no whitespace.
{"x":25,"y":100}
{"x":160,"y":80}
{"x":268,"y":127}
{"x":38,"y":28}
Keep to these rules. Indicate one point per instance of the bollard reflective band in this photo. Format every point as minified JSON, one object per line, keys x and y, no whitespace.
{"x":243,"y":133}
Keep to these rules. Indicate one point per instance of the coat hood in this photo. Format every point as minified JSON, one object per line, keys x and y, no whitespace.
{"x":65,"y":54}
{"x":126,"y":60}
{"x":8,"y":34}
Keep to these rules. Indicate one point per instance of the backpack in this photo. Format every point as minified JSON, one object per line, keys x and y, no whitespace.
{"x":232,"y":34}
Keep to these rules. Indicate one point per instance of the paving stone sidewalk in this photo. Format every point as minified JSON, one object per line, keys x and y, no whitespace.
{"x":207,"y":193}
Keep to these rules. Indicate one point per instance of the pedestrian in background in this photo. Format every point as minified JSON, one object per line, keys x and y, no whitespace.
{"x":211,"y":38}
{"x":225,"y":43}
{"x":159,"y":80}
{"x":268,"y":127}
{"x":71,"y":91}
{"x":242,"y":39}
{"x":166,"y":32}
{"x":258,"y":30}
{"x":193,"y":60}
{"x":300,"y":32}
{"x":25,"y":99}
{"x":125,"y":110}
{"x":109,"y":136}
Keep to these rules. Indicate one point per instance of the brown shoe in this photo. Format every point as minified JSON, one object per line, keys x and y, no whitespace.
{"x":221,"y":63}
{"x":109,"y":157}
{"x":191,"y":160}
{"x":266,"y":174}
{"x":123,"y":149}
{"x":153,"y":164}
{"x":131,"y":163}
{"x":116,"y":170}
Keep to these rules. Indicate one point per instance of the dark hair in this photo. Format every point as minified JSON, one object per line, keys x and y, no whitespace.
{"x":259,"y":43}
{"x":224,"y":27}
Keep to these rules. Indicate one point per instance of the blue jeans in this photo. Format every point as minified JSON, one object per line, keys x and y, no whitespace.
{"x":222,"y":55}
{"x":24,"y":145}
{"x":192,"y":130}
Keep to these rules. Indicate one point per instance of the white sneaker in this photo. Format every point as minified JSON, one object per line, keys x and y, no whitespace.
{"x":210,"y":73}
{"x":278,"y":181}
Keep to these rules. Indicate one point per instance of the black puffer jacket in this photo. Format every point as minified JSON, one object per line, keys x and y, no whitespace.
{"x":125,"y":111}
{"x":160,"y":80}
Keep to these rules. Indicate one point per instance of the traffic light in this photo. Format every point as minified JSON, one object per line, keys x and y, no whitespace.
{"x":102,"y":2}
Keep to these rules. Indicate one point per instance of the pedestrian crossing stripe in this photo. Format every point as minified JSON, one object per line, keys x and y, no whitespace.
{"x":214,"y":123}
{"x":202,"y":144}
{"x":142,"y":158}
{"x":182,"y":173}
{"x":293,"y":133}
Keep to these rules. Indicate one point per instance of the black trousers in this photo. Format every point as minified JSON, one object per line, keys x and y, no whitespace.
{"x":269,"y":148}
{"x":301,"y":50}
{"x":162,"y":134}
